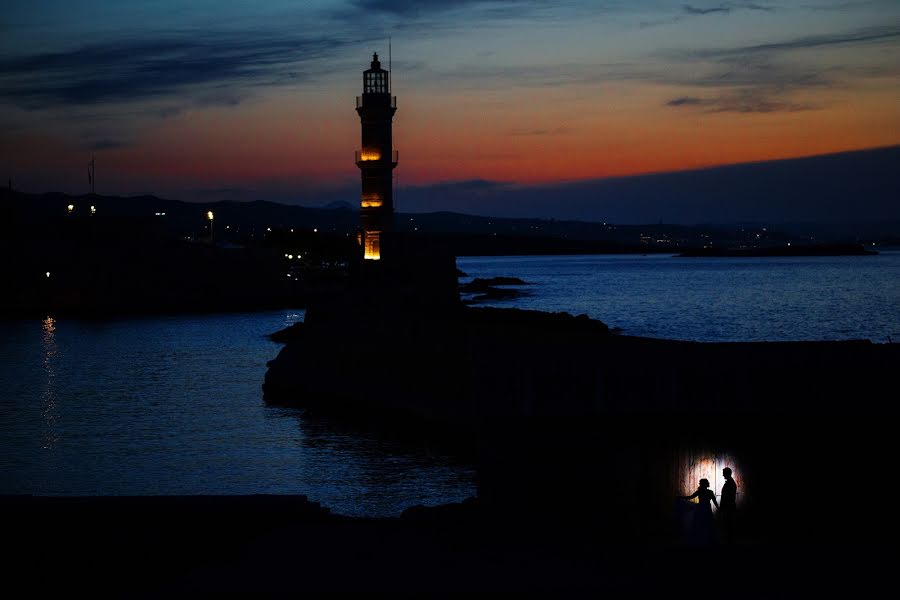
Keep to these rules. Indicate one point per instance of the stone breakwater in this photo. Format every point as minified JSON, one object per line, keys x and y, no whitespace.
{"x":566,"y":420}
{"x":563,"y":415}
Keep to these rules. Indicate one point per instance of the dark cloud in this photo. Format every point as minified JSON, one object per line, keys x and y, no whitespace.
{"x":126,"y":70}
{"x":725,"y":7}
{"x":412,"y":8}
{"x":686,"y":101}
{"x":746,"y":101}
{"x":107,"y":144}
{"x":691,"y":10}
{"x":216,"y":69}
{"x":541,"y":131}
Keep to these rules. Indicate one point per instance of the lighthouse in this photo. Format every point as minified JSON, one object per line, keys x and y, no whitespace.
{"x":376,"y":157}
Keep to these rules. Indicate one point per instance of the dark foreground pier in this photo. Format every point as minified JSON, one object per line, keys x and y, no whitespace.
{"x":164,"y":546}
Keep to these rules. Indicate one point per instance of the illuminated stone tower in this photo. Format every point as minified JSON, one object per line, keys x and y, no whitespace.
{"x":377,"y":158}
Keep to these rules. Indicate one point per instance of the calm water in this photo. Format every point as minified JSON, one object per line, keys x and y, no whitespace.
{"x":714,"y":299}
{"x":173,"y":405}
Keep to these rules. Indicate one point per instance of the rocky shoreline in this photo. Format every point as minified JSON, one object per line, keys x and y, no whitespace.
{"x":560,"y":413}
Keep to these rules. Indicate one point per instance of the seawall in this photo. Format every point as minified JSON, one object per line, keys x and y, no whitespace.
{"x":568,"y":419}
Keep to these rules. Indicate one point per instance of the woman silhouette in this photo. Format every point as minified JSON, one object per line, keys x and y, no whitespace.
{"x":703,"y":529}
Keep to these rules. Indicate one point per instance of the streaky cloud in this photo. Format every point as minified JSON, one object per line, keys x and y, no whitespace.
{"x":692,"y":10}
{"x":725,"y":7}
{"x":745,"y":101}
{"x":408,"y":8}
{"x":687,"y":101}
{"x":884,"y":33}
{"x":137,"y":69}
{"x":108,"y":144}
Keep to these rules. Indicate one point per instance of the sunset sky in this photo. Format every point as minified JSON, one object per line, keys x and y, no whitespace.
{"x":217,"y":99}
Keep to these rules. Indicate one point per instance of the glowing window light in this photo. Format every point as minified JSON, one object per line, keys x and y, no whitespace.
{"x":290,"y":256}
{"x":372,"y":245}
{"x":372,"y":201}
{"x":366,"y":155}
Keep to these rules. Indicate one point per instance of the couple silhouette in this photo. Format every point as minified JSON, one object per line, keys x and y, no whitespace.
{"x":703,"y":529}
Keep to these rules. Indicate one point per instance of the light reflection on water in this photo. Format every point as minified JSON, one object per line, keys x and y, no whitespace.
{"x":173,"y":405}
{"x":49,"y":436}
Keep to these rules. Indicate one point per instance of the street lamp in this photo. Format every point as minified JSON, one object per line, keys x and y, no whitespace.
{"x":210,"y":216}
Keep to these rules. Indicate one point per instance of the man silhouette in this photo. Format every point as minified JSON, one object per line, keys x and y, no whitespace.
{"x":728,"y":505}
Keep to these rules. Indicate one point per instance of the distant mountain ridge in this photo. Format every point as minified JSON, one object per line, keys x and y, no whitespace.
{"x":860,"y":187}
{"x":840,"y":197}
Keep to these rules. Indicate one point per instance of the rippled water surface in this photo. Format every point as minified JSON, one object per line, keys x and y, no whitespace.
{"x":714,"y":299}
{"x":173,"y":405}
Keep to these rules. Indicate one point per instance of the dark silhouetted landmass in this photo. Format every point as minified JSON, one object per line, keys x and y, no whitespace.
{"x":149,"y":255}
{"x":563,"y":415}
{"x":286,"y":545}
{"x":849,"y":193}
{"x":792,"y":250}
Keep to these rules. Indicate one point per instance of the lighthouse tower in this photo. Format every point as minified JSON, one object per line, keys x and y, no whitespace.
{"x":376,"y":158}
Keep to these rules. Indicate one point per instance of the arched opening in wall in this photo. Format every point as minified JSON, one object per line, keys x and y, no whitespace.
{"x":701,"y":471}
{"x":692,"y":465}
{"x":372,"y":249}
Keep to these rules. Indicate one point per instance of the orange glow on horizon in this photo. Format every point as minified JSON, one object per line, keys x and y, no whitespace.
{"x":591,"y":133}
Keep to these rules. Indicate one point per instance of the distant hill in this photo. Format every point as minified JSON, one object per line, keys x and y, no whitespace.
{"x":341,"y":205}
{"x":862,"y":188}
{"x":852,"y":188}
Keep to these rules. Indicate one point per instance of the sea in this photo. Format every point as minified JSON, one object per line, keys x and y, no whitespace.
{"x":711,"y":299}
{"x":173,"y":404}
